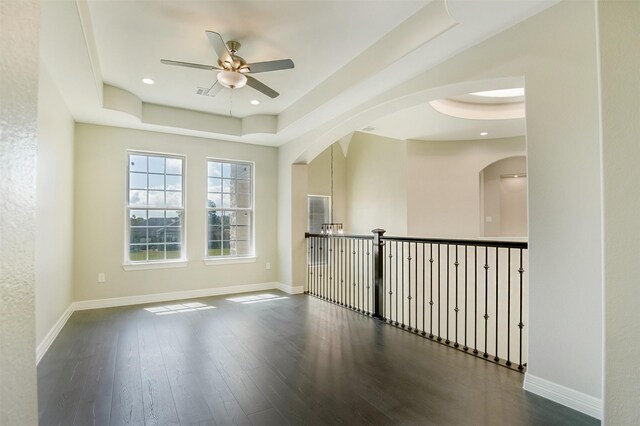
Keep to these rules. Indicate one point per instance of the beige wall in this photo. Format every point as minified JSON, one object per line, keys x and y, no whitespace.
{"x":54,"y":207}
{"x":443,"y":184}
{"x":100,"y":180}
{"x":319,"y":180}
{"x":619,"y":26}
{"x":493,"y":202}
{"x":19,"y":23}
{"x":376,"y":185}
{"x":299,"y":182}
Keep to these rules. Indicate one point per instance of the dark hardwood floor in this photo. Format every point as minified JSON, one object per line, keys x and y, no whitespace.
{"x":295,"y":360}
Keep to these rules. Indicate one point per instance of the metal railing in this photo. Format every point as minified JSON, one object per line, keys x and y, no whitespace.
{"x":467,"y":294}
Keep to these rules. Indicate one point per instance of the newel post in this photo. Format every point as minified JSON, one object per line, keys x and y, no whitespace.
{"x":378,"y":273}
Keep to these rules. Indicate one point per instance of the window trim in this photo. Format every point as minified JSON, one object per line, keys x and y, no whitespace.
{"x":308,"y":212}
{"x":222,"y":260}
{"x":129,"y":265}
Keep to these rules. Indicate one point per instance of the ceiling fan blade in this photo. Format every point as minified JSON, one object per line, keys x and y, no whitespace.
{"x":219,"y":46}
{"x":189,"y":65}
{"x":281,"y":64}
{"x":261,"y":87}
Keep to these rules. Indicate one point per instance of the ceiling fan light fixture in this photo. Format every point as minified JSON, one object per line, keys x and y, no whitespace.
{"x":232,"y":79}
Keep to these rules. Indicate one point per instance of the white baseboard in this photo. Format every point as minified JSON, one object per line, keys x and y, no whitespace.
{"x":571,"y":398}
{"x":290,"y":289}
{"x":178,"y":295}
{"x":43,"y":346}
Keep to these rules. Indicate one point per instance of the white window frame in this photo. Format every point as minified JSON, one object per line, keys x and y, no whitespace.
{"x":251,"y":256}
{"x":129,"y":264}
{"x":327,"y":197}
{"x":317,"y":259}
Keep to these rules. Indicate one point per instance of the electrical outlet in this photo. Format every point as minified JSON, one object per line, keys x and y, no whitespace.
{"x":268,"y":265}
{"x":488,"y":219}
{"x":102,"y":277}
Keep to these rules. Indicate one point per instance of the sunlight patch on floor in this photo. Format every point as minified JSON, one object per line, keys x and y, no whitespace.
{"x":258,"y":298}
{"x":179,"y":308}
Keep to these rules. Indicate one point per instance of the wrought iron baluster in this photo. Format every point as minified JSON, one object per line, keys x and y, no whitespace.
{"x":508,"y":307}
{"x":496,"y":355}
{"x":363,"y":271}
{"x":390,"y":256}
{"x":315,"y":266}
{"x":486,"y":299}
{"x":340,"y":271}
{"x":321,"y":268}
{"x":396,"y":283}
{"x":330,"y":260}
{"x":352,"y":266}
{"x":402,"y":284}
{"x":409,"y":285}
{"x":310,"y":266}
{"x":383,"y":253}
{"x":456,"y":309}
{"x":326,"y":267}
{"x":431,"y":291}
{"x":356,"y":261}
{"x":369,"y":275}
{"x":415,"y":301}
{"x":424,"y":295}
{"x":475,"y":301}
{"x":358,"y":287}
{"x":447,"y":341}
{"x":439,"y":316}
{"x":521,"y":324}
{"x":466,"y":281}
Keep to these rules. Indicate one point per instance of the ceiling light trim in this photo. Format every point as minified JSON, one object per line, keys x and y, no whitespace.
{"x":472,"y":111}
{"x":515,"y":92}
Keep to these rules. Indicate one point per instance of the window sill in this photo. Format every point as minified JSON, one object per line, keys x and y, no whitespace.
{"x":230,"y":261}
{"x":154,"y":265}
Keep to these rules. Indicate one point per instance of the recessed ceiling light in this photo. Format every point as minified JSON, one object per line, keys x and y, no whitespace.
{"x":484,"y":133}
{"x":501,"y":93}
{"x":255,"y":102}
{"x":147,"y":81}
{"x":515,"y":175}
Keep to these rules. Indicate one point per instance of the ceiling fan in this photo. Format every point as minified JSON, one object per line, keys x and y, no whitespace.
{"x":233,"y":70}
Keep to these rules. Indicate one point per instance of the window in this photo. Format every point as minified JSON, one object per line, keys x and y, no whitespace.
{"x":319,"y":210}
{"x":229,"y":209}
{"x":155,"y":208}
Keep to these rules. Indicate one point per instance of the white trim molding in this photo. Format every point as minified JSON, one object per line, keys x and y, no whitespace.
{"x":571,"y":398}
{"x":290,"y":289}
{"x":229,"y":261}
{"x":44,"y":345}
{"x":143,"y":266}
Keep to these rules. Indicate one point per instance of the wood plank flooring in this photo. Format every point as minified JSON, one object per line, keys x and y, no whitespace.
{"x":292,"y":361}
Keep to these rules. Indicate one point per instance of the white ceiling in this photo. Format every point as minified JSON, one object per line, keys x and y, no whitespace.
{"x":319,"y":36}
{"x":346,"y":53}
